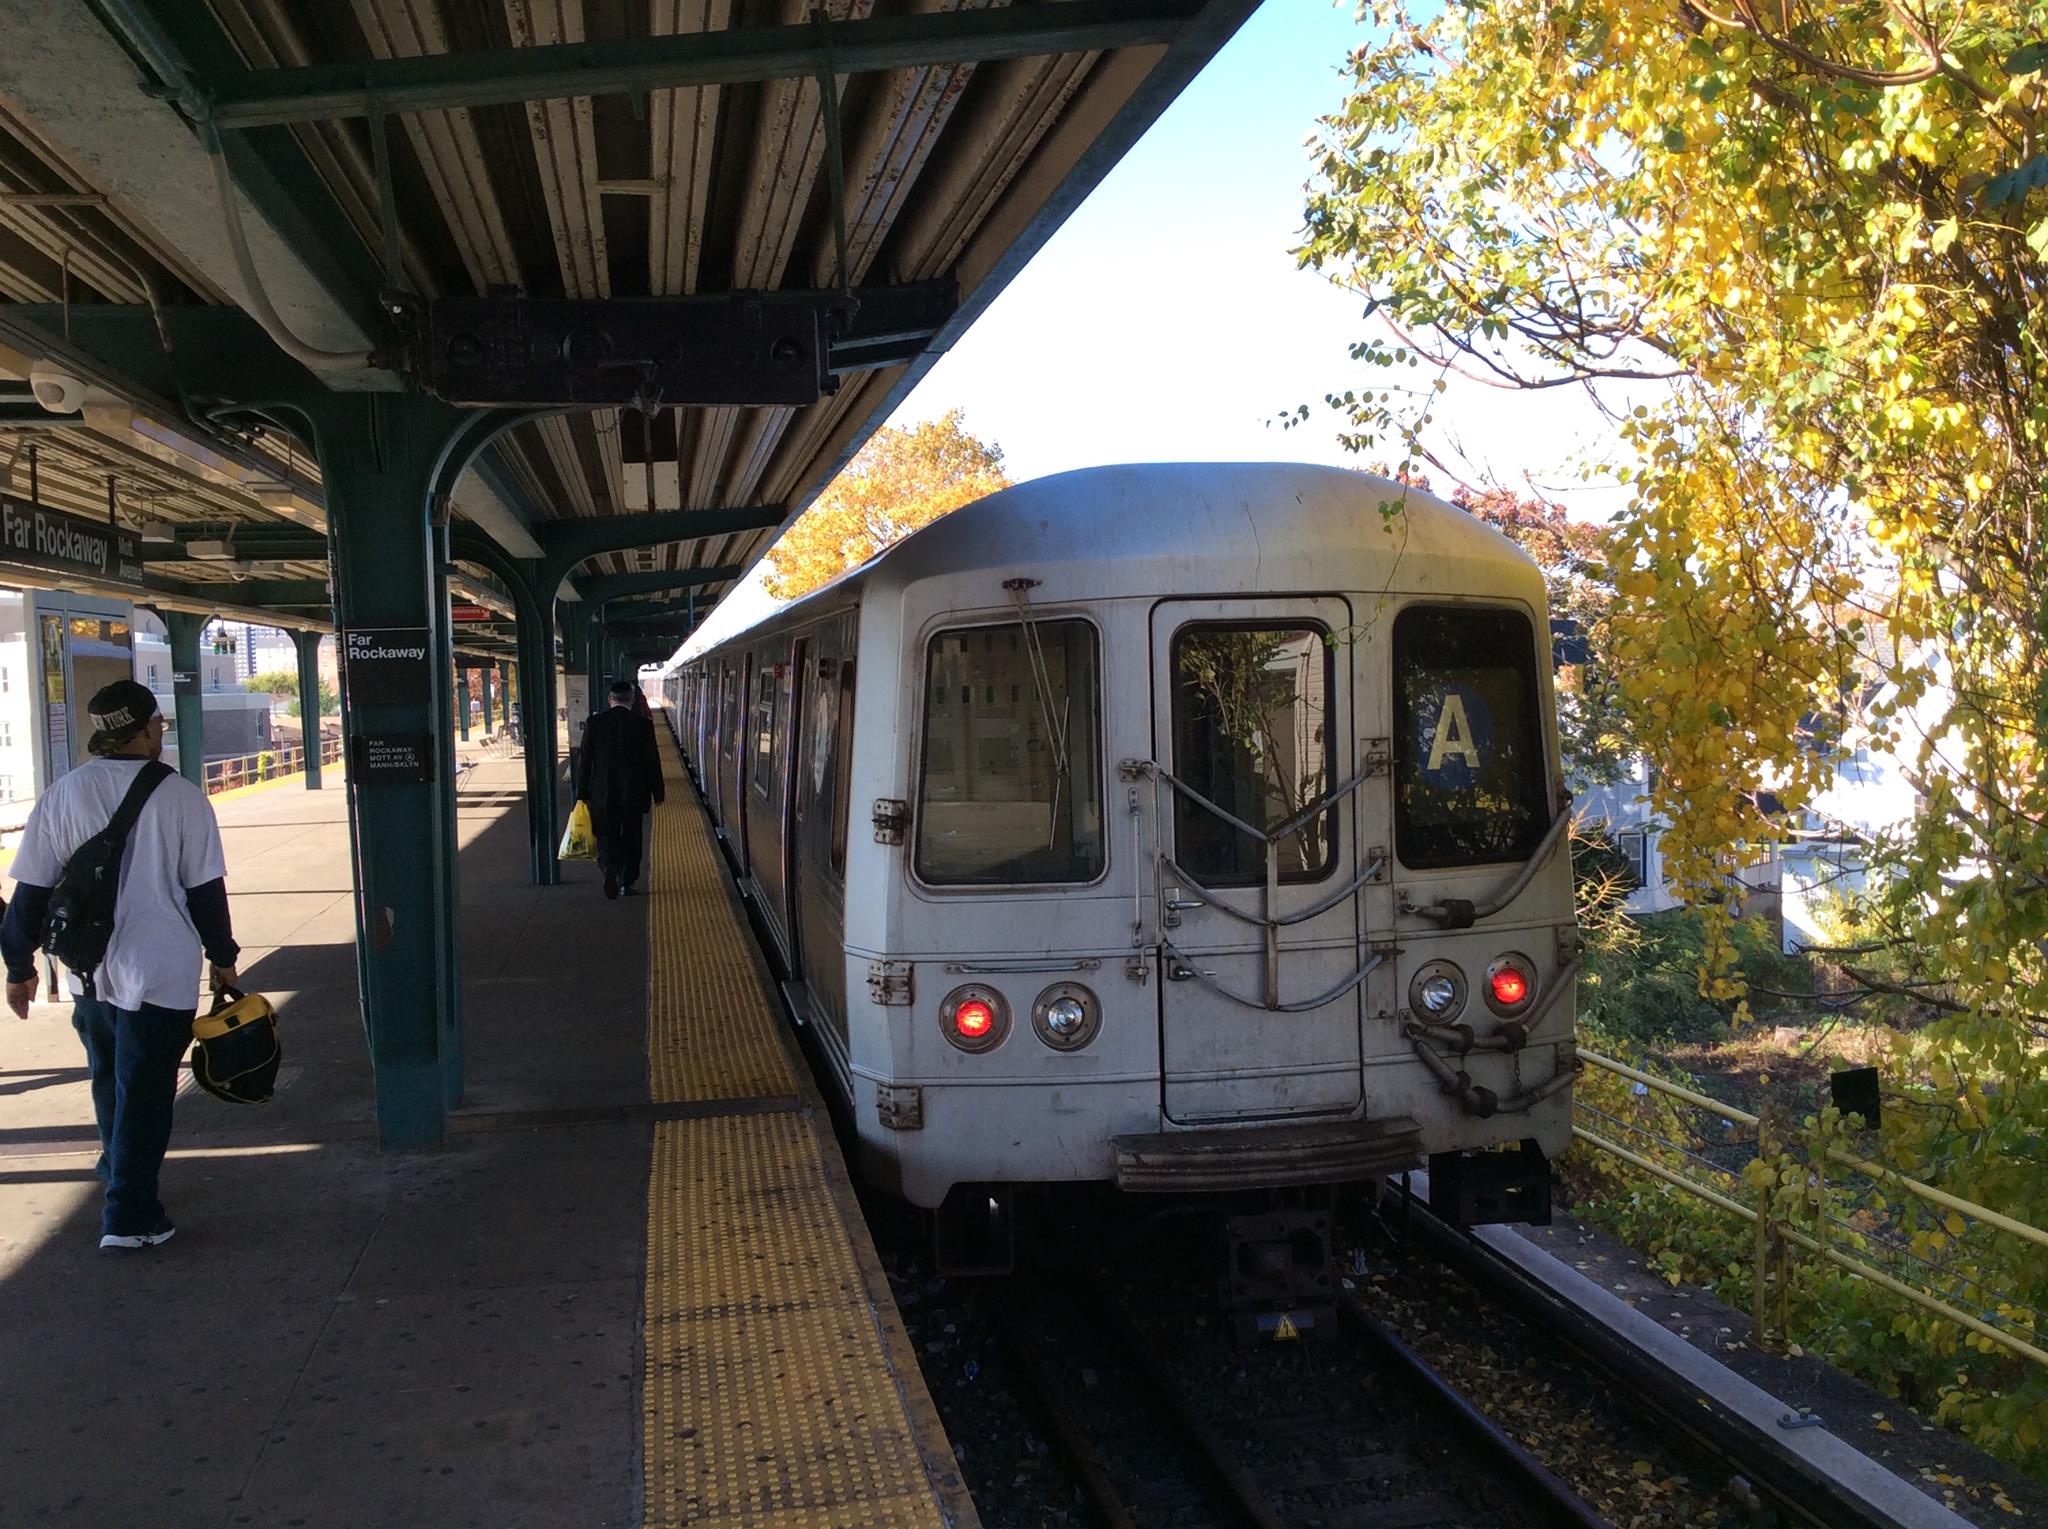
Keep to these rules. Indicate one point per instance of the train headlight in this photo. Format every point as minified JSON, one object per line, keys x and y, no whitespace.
{"x":1510,"y":984}
{"x":1066,"y":1016}
{"x":1437,"y":992}
{"x":975,"y":1018}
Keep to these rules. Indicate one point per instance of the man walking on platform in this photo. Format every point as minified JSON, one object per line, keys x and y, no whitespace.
{"x":134,"y":1011}
{"x":618,"y":777}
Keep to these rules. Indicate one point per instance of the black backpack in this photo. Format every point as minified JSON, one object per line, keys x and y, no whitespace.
{"x":81,"y":920}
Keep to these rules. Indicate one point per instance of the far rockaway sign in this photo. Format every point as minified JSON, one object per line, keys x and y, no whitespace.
{"x":50,"y":541}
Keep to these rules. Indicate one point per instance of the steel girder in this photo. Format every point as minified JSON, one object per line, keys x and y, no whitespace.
{"x":254,"y":98}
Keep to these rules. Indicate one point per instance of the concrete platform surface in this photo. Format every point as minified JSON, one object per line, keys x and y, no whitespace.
{"x":336,"y":1337}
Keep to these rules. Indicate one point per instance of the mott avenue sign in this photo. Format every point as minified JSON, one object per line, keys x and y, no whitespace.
{"x":50,"y":541}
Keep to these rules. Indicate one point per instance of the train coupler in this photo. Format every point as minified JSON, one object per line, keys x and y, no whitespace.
{"x":1280,"y":1280}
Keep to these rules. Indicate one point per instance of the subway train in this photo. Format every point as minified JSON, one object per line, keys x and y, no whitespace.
{"x":1183,"y":828}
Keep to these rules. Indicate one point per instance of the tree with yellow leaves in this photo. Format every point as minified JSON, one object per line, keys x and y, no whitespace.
{"x":1802,"y":252}
{"x":900,"y":480}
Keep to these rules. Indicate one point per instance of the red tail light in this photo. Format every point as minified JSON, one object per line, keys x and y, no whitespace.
{"x":1510,"y":987}
{"x":974,"y":1019}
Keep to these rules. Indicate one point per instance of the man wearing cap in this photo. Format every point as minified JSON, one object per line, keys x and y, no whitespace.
{"x":172,"y":904}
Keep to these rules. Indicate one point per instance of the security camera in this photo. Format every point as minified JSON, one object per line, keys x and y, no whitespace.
{"x":57,"y":390}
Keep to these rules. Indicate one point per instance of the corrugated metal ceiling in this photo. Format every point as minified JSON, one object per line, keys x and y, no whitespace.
{"x":949,"y":169}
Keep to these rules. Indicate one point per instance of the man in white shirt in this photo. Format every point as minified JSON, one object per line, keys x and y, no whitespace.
{"x":136,"y":1020}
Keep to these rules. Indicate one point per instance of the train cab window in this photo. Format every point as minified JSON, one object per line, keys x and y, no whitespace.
{"x":1469,"y":783}
{"x":1011,"y":786}
{"x":1251,"y":733}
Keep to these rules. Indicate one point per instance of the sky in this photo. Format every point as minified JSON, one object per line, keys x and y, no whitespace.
{"x":1167,"y":321}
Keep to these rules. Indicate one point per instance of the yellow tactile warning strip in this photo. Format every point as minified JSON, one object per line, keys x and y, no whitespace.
{"x":710,"y":1031}
{"x":780,"y":1392}
{"x":769,"y":1399}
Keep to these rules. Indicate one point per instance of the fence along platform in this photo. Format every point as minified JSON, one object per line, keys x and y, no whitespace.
{"x":780,"y":1389}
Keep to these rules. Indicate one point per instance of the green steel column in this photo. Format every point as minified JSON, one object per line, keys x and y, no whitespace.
{"x":446,"y":700}
{"x":378,"y":456}
{"x":483,"y":678}
{"x":184,"y":627}
{"x":308,"y":644}
{"x":462,"y":700}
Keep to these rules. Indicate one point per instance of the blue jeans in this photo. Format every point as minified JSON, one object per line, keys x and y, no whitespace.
{"x":134,"y":1056}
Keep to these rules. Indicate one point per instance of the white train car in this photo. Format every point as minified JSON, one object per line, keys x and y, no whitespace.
{"x":1186,"y":827}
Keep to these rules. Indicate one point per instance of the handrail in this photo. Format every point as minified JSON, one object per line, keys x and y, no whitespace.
{"x":1772,"y":1227}
{"x":233,"y":770}
{"x":1849,"y":1160}
{"x":1856,"y":1266}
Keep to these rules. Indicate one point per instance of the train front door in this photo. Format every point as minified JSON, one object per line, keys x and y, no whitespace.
{"x":1258,"y":869}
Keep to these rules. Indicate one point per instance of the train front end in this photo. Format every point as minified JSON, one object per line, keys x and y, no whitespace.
{"x":1226,"y":858}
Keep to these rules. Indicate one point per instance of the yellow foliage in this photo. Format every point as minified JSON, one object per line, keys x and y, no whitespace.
{"x":901,"y":480}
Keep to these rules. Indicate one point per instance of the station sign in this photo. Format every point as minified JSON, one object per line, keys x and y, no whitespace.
{"x":388,"y":758}
{"x":460,"y":612}
{"x":50,"y":541}
{"x":387,"y":664}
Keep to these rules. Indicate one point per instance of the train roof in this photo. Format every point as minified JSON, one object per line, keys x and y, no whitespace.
{"x":1193,"y":527}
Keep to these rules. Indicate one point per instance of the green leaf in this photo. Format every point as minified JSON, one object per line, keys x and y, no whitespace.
{"x":2037,"y":239}
{"x":1674,"y":139}
{"x":2033,"y":57}
{"x":1943,"y":236}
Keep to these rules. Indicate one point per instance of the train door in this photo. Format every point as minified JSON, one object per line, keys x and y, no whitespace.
{"x":780,"y":905}
{"x":818,"y":891}
{"x":762,"y":790}
{"x":1257,"y":866}
{"x":736,"y":754}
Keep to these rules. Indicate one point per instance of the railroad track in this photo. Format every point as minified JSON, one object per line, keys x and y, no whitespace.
{"x":1167,"y":1426}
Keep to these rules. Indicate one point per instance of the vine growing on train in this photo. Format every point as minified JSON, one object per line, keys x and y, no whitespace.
{"x":1801,"y":255}
{"x":901,"y":480}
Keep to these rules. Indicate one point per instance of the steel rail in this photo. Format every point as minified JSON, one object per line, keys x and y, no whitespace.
{"x":1666,"y":1394}
{"x":1569,"y":1507}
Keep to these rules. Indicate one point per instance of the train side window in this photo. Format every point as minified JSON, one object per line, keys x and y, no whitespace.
{"x":842,"y":764}
{"x":1469,"y":771}
{"x":1010,"y":786}
{"x":1251,"y":734}
{"x":764,"y":726}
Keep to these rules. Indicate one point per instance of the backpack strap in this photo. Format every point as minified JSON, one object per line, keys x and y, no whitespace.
{"x":152,"y":774}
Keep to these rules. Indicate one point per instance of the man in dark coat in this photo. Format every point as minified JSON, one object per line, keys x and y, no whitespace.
{"x":618,"y":777}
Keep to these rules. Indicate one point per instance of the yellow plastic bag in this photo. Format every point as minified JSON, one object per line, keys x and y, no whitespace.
{"x":579,"y":839}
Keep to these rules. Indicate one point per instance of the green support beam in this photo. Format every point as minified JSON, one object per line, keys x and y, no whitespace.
{"x":308,"y":645}
{"x":738,"y":55}
{"x":301,"y":595}
{"x":602,"y":587}
{"x":183,"y":628}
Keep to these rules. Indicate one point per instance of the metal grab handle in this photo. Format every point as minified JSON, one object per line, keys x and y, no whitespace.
{"x":1178,"y":970}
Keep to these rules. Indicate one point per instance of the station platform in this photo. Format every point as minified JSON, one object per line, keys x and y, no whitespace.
{"x":634,"y":1289}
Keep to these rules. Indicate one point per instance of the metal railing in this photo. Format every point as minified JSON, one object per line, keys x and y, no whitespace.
{"x":267,"y":764}
{"x":1832,"y":1239}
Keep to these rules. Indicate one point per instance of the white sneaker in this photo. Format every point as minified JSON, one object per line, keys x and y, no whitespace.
{"x":163,"y":1232}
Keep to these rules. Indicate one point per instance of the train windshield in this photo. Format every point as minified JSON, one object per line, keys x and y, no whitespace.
{"x":1468,"y":737}
{"x":1011,"y":786}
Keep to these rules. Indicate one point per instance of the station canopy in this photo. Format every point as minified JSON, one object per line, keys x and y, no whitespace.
{"x":477,"y":199}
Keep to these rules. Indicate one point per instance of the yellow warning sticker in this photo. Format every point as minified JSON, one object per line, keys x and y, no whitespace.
{"x":1286,"y":1329}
